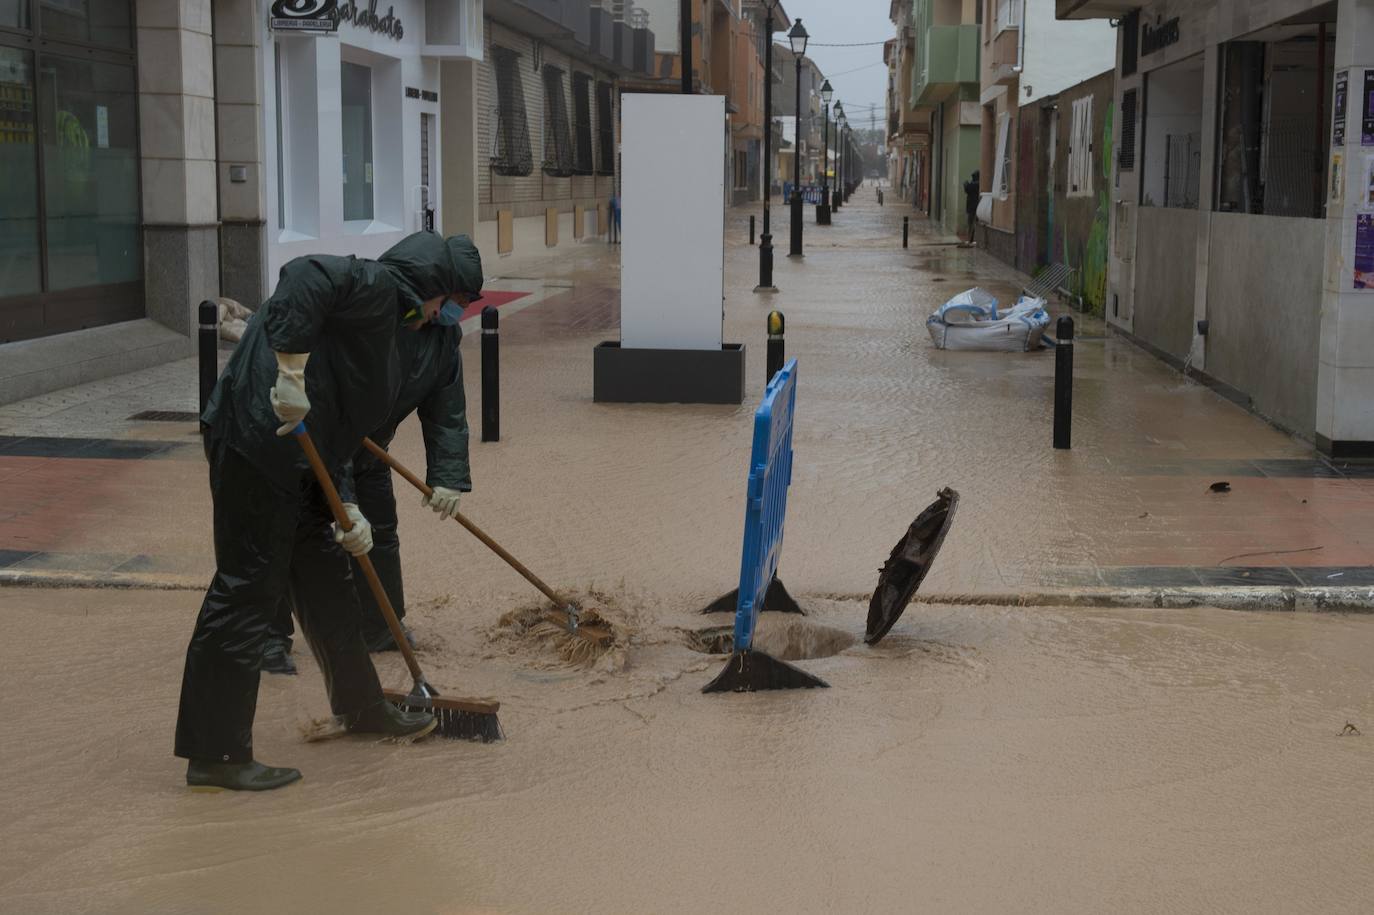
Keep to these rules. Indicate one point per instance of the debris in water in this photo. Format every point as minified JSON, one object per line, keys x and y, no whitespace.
{"x":1222,"y":486}
{"x":600,"y":640}
{"x":1349,"y":731}
{"x":331,"y":728}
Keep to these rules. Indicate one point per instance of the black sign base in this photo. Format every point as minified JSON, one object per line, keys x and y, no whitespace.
{"x":621,"y":375}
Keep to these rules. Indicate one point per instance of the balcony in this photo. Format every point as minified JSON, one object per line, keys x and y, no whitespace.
{"x":528,"y":15}
{"x":644,"y":51}
{"x":576,"y":16}
{"x":948,"y":58}
{"x":623,"y":45}
{"x":1094,"y":9}
{"x":603,"y":33}
{"x":1002,"y":54}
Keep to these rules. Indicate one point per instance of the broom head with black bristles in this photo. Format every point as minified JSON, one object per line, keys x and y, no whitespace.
{"x":459,"y":718}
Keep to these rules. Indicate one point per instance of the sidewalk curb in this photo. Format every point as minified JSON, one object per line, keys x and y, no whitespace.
{"x":1270,"y":599}
{"x":52,"y":578}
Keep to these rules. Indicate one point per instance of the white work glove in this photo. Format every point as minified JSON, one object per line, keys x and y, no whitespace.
{"x":444,"y":502}
{"x":357,"y":540}
{"x":288,"y":395}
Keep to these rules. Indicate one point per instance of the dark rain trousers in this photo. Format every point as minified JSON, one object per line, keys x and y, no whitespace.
{"x":269,"y":544}
{"x":377,"y":501}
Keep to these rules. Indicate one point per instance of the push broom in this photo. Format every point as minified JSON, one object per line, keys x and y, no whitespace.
{"x":459,"y":718}
{"x":581,"y":638}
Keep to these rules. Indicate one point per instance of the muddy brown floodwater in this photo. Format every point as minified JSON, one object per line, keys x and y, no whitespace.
{"x":979,"y":759}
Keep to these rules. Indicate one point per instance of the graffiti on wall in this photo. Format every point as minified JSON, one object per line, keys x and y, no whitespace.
{"x":1094,"y":269}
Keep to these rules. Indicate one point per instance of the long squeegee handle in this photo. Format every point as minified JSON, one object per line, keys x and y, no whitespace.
{"x":331,"y":495}
{"x":382,"y":455}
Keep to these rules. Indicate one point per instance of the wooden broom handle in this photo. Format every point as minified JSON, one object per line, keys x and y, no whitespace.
{"x":382,"y":455}
{"x":331,"y":495}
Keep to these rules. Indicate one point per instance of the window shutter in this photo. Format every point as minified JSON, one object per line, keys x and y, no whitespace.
{"x":1126,"y":158}
{"x":1000,"y":179}
{"x":512,"y":156}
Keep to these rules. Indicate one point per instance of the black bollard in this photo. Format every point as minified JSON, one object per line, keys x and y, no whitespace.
{"x":751,"y":230}
{"x":208,"y":340}
{"x":776,"y":346}
{"x":906,"y":231}
{"x":491,"y":374}
{"x":1063,"y":384}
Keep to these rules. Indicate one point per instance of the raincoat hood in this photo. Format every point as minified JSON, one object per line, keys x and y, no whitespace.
{"x":427,"y":265}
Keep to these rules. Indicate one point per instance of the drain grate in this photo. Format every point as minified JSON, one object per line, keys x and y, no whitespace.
{"x":166,"y":416}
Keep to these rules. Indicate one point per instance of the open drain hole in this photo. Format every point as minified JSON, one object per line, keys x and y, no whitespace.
{"x":785,"y":639}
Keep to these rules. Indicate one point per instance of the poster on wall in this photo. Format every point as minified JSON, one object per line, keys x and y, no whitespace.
{"x":1367,"y":188}
{"x":1339,"y":108}
{"x":1364,"y":251}
{"x":1367,"y":131}
{"x":1337,"y":179}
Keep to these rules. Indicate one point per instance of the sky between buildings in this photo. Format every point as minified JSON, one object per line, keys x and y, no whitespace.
{"x":857,"y":74}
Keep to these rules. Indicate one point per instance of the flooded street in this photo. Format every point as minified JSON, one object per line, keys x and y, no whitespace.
{"x":979,"y":759}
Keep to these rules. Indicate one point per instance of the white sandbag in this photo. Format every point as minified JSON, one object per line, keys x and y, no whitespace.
{"x":970,"y":321}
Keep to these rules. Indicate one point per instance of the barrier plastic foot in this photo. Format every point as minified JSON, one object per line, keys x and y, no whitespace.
{"x":775,"y":600}
{"x":748,"y":671}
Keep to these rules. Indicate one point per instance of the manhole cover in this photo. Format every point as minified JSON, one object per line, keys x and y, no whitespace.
{"x":788,"y":639}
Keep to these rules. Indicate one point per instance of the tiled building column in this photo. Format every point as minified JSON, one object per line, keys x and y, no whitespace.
{"x":459,"y":108}
{"x":1345,"y":373}
{"x":177,"y":133}
{"x":241,"y":173}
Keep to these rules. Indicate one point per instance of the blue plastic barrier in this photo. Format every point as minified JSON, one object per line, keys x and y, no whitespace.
{"x":811,"y":194}
{"x":770,"y":473}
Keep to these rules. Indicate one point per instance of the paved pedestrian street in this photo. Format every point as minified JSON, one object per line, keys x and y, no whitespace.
{"x":884,"y":420}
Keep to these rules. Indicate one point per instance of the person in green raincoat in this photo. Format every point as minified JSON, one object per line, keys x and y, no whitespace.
{"x":432,"y":388}
{"x":322,"y":350}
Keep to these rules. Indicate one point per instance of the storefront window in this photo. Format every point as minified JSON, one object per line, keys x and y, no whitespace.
{"x":14,"y":14}
{"x":71,"y":237}
{"x":20,"y":271}
{"x":356,"y":83}
{"x":1171,"y":152}
{"x":1272,"y":141}
{"x":90,"y":167}
{"x":100,"y":22}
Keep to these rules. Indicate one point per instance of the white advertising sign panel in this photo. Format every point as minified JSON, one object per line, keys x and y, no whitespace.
{"x":673,"y":214}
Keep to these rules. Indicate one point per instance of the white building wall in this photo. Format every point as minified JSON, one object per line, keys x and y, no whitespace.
{"x":1060,"y":54}
{"x":311,"y":163}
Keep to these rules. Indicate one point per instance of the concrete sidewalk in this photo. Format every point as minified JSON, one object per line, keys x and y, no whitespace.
{"x":91,"y":493}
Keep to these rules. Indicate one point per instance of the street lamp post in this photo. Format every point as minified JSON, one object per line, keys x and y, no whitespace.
{"x":797,"y":38}
{"x":766,"y":240}
{"x":841,"y":125}
{"x":823,"y":208}
{"x":835,"y":199}
{"x":849,"y":160}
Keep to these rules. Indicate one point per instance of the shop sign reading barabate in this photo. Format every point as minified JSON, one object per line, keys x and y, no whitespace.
{"x":351,"y":11}
{"x":305,"y":15}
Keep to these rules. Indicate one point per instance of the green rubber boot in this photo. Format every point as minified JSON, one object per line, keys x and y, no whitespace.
{"x":387,"y":720}
{"x":202,"y":775}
